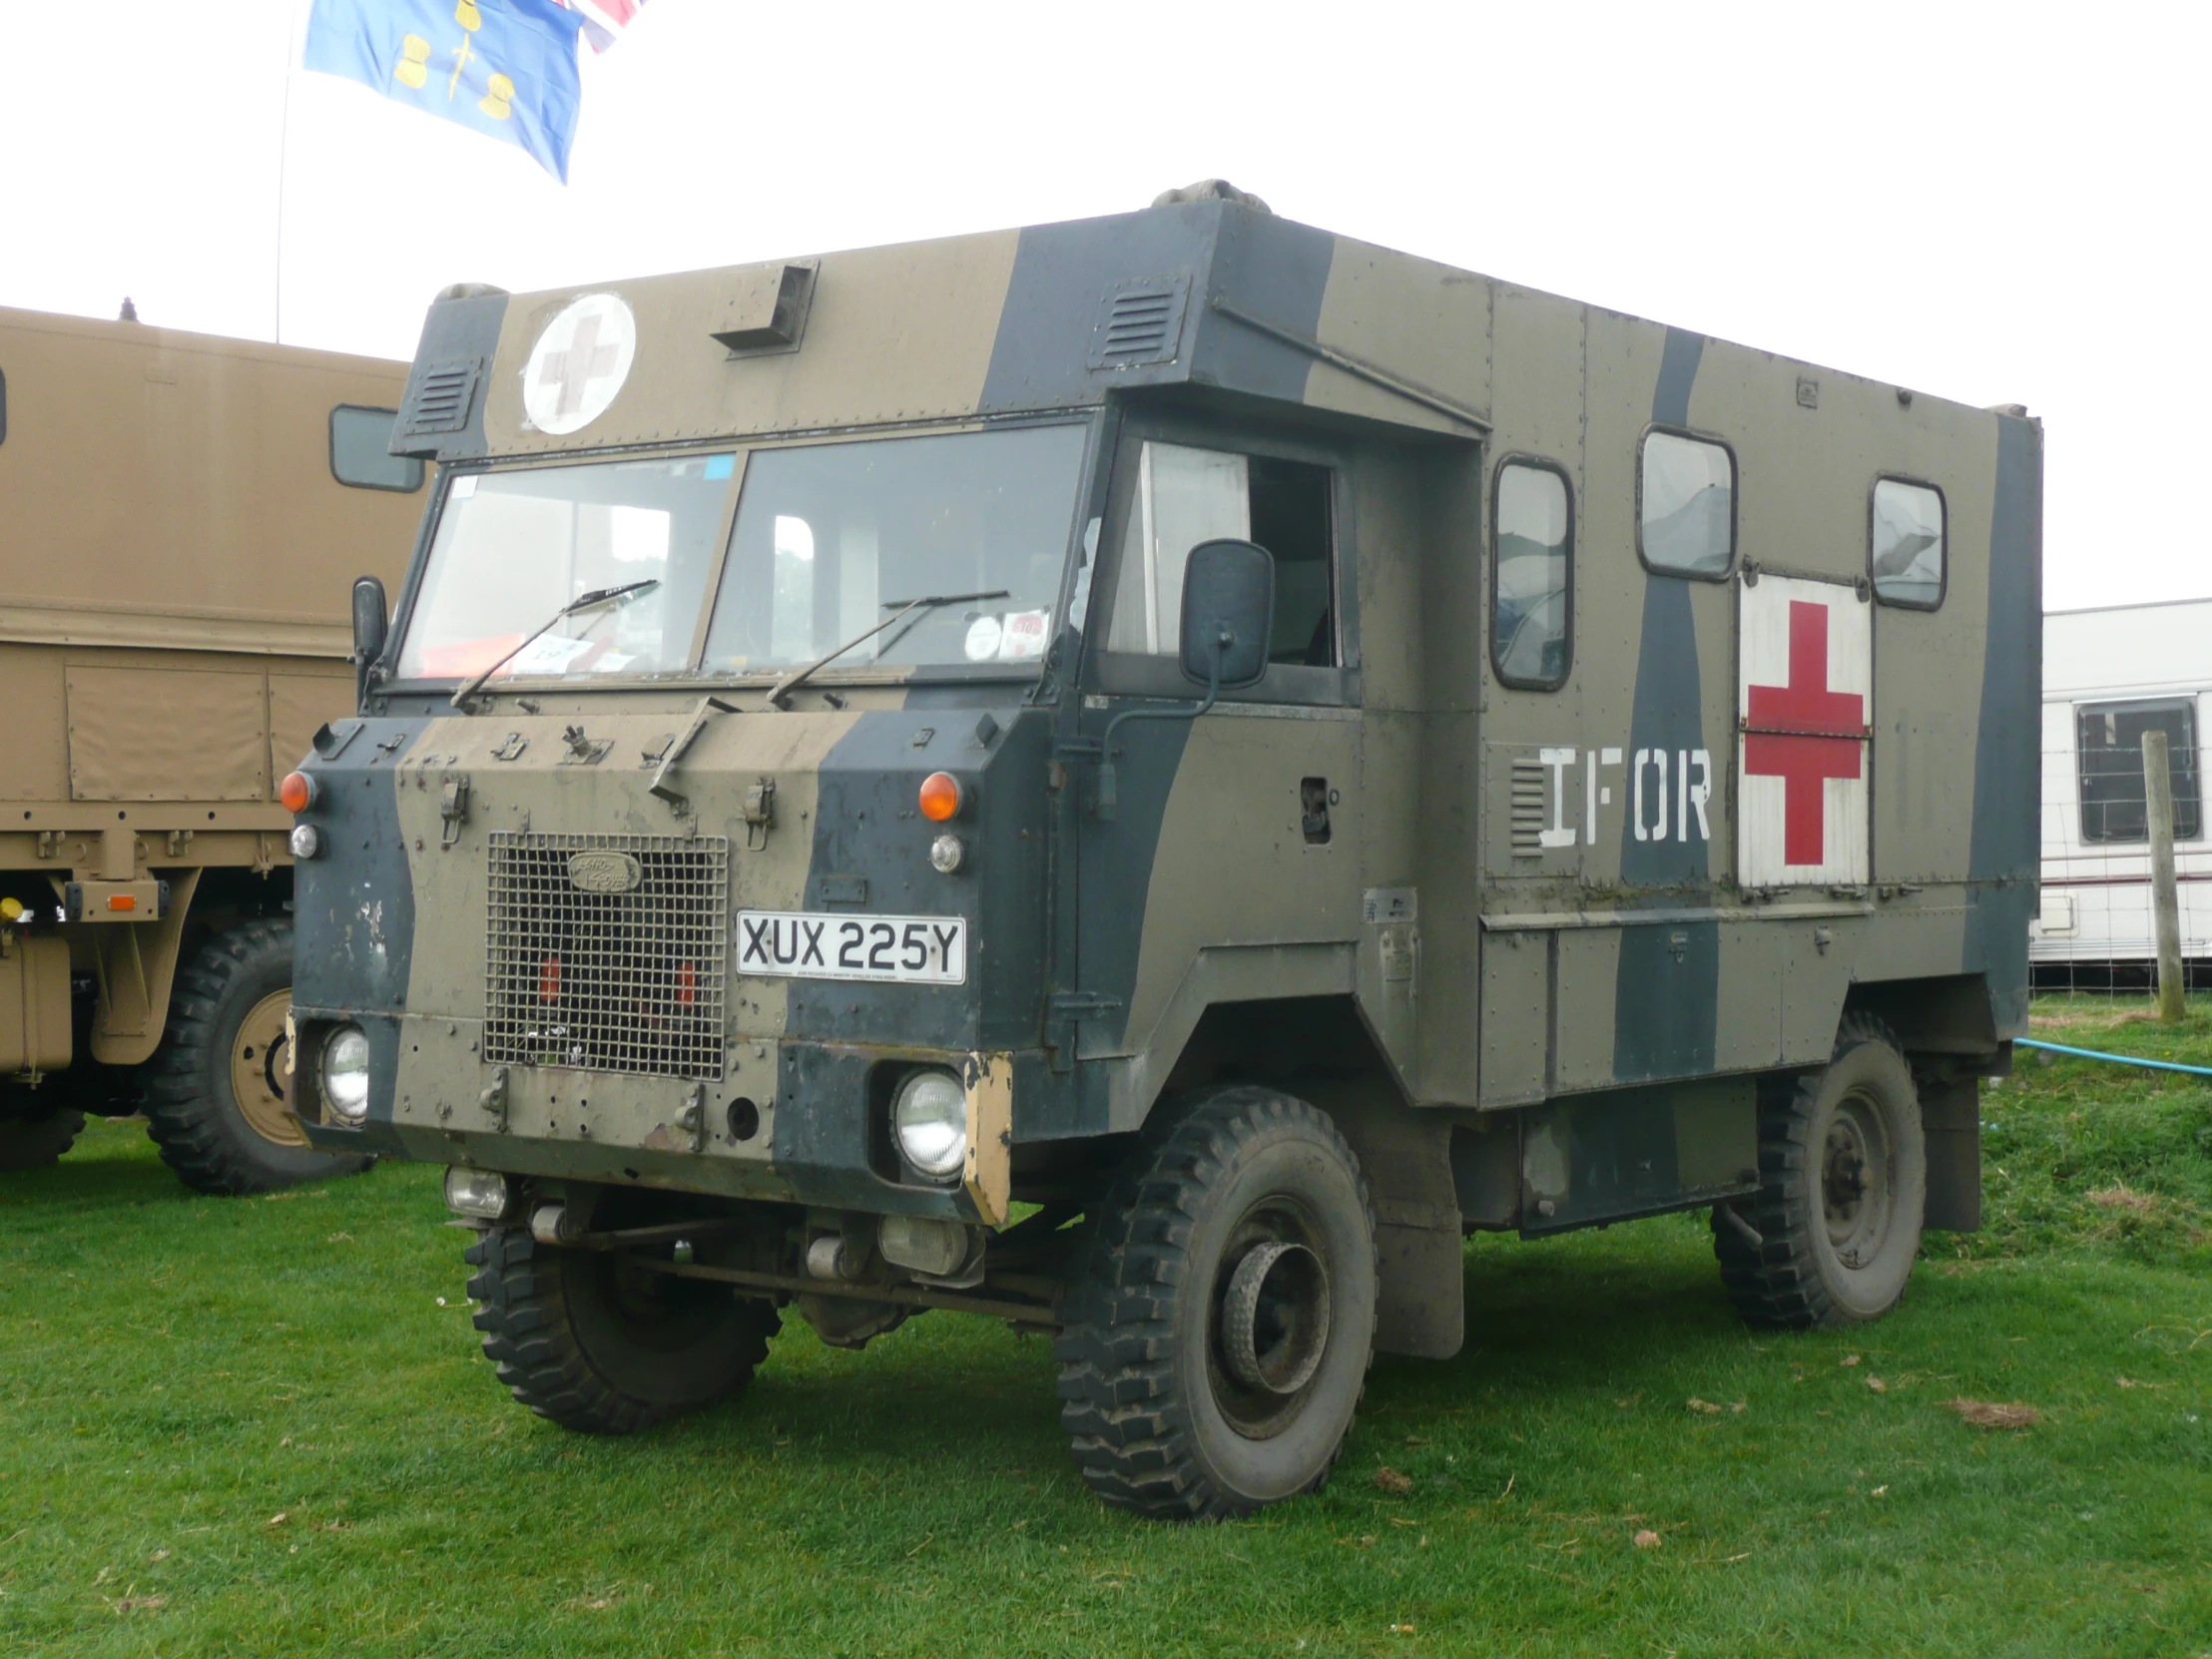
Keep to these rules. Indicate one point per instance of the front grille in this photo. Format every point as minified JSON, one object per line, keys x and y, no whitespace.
{"x":607,"y":952}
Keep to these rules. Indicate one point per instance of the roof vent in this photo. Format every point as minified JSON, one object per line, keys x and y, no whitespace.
{"x":1211,"y":189}
{"x":438,"y":400}
{"x":1140,"y":322}
{"x":768,"y":311}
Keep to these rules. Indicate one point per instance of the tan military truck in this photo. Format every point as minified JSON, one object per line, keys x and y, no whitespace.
{"x":1142,"y":777}
{"x":182,"y":518}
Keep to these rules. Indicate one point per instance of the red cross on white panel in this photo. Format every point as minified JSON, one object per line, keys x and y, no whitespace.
{"x":1805,"y":706}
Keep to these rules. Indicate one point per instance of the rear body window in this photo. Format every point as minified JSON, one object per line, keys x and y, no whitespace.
{"x":1905,"y":552}
{"x":360,"y":442}
{"x":2109,"y":738}
{"x":1686,"y":506}
{"x":1531,"y":578}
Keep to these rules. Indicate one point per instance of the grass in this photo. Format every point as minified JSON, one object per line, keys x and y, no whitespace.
{"x":260,"y":1426}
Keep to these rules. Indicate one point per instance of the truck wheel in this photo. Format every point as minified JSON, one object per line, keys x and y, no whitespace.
{"x":1216,"y":1339}
{"x":215,"y":1089}
{"x":1845,"y":1173}
{"x":597,"y":1344}
{"x":34,"y":1142}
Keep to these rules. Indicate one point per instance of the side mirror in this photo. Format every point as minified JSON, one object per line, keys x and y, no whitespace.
{"x":1228,"y":613}
{"x":370,"y":621}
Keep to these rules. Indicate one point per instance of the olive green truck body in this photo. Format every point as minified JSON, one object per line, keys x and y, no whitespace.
{"x":176,"y":551}
{"x":1640,"y":711}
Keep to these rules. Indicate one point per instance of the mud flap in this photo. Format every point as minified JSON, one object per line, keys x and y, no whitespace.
{"x":1420,"y":1256}
{"x":1950,"y":1120}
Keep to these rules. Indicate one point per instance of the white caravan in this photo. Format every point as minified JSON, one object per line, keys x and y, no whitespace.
{"x":2109,"y":676}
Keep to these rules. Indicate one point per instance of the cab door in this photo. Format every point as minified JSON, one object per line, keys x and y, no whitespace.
{"x":1232,"y":840}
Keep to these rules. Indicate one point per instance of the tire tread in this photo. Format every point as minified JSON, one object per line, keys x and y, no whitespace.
{"x":1777,"y":1285}
{"x":1118,"y":1384}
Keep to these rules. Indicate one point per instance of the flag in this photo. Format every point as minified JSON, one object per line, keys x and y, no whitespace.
{"x":505,"y":68}
{"x":604,"y":20}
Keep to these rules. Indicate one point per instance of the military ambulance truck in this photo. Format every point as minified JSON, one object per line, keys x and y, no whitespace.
{"x":1140,"y":778}
{"x":180,"y":520}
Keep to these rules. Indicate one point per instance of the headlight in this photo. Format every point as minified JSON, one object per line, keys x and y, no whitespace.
{"x":476,"y":1192}
{"x":929,"y":1117}
{"x":307,"y":841}
{"x":345,"y":1074}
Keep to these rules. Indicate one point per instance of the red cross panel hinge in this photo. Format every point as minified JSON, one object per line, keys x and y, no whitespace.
{"x":1804,"y":723}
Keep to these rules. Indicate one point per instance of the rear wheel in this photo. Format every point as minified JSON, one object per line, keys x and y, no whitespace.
{"x":1216,"y":1340}
{"x":215,"y":1089}
{"x":1846,"y":1187}
{"x":598,"y":1343}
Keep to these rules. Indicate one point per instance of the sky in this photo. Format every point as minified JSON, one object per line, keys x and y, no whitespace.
{"x":1997,"y":203}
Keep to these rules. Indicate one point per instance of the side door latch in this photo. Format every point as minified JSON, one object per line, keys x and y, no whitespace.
{"x":453,"y":807}
{"x":760,"y":812}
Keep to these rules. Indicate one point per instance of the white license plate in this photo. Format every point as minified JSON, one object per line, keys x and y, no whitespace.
{"x":804,"y":944}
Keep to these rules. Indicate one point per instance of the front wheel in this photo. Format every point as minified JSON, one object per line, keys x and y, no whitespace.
{"x":215,"y":1089}
{"x":598,"y":1343}
{"x":1844,"y":1172}
{"x":1216,"y":1340}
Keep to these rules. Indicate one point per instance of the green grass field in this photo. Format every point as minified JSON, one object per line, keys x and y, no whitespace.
{"x":262,"y":1426}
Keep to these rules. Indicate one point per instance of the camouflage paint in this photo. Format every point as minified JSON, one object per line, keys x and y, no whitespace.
{"x":1153,"y":908}
{"x":1666,"y":1002}
{"x":2006,"y":855}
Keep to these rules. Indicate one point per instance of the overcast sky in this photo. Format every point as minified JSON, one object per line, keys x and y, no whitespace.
{"x":1994,"y":202}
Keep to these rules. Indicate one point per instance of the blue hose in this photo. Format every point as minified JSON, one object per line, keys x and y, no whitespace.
{"x":2116,"y":1059}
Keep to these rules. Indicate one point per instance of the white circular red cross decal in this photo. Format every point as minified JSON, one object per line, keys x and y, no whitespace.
{"x":579,"y":364}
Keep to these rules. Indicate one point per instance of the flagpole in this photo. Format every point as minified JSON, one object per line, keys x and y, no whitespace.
{"x":284,"y":152}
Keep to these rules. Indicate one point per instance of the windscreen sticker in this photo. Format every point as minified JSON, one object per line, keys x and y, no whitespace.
{"x":549,"y":653}
{"x":1022,"y":635}
{"x":579,"y":364}
{"x":983,"y":637}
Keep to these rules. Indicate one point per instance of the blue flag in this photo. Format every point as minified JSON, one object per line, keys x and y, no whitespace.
{"x":506,"y":68}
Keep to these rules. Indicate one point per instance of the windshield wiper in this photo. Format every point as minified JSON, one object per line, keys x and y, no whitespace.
{"x":582,"y":602}
{"x":906,"y":607}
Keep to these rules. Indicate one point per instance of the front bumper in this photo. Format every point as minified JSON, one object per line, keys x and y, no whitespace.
{"x":791,"y":1121}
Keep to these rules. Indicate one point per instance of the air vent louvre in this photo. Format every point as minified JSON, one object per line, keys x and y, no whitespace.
{"x":1140,"y":322}
{"x":1529,"y":809}
{"x":440,"y":399}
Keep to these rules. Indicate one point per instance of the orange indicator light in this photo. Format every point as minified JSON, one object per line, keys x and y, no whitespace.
{"x":122,"y":901}
{"x":940,"y":796}
{"x":297,"y":792}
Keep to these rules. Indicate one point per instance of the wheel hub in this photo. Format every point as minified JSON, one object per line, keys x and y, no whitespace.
{"x":1855,"y":1181}
{"x":259,"y":1071}
{"x":1275,"y":1318}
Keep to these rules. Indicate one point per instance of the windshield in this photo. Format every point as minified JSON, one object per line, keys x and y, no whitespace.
{"x":512,"y":548}
{"x":829,"y":537}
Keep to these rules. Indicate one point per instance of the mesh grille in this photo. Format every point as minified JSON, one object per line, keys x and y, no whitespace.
{"x":607,"y":952}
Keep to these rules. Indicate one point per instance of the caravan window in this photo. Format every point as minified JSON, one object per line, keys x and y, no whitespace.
{"x":361,"y":454}
{"x":2109,"y":738}
{"x":1531,"y":585}
{"x":1686,"y":506}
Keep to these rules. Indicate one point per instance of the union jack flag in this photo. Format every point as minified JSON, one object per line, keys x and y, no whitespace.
{"x":604,"y":20}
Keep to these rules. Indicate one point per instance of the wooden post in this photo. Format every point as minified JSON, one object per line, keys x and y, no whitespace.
{"x":2165,"y":903}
